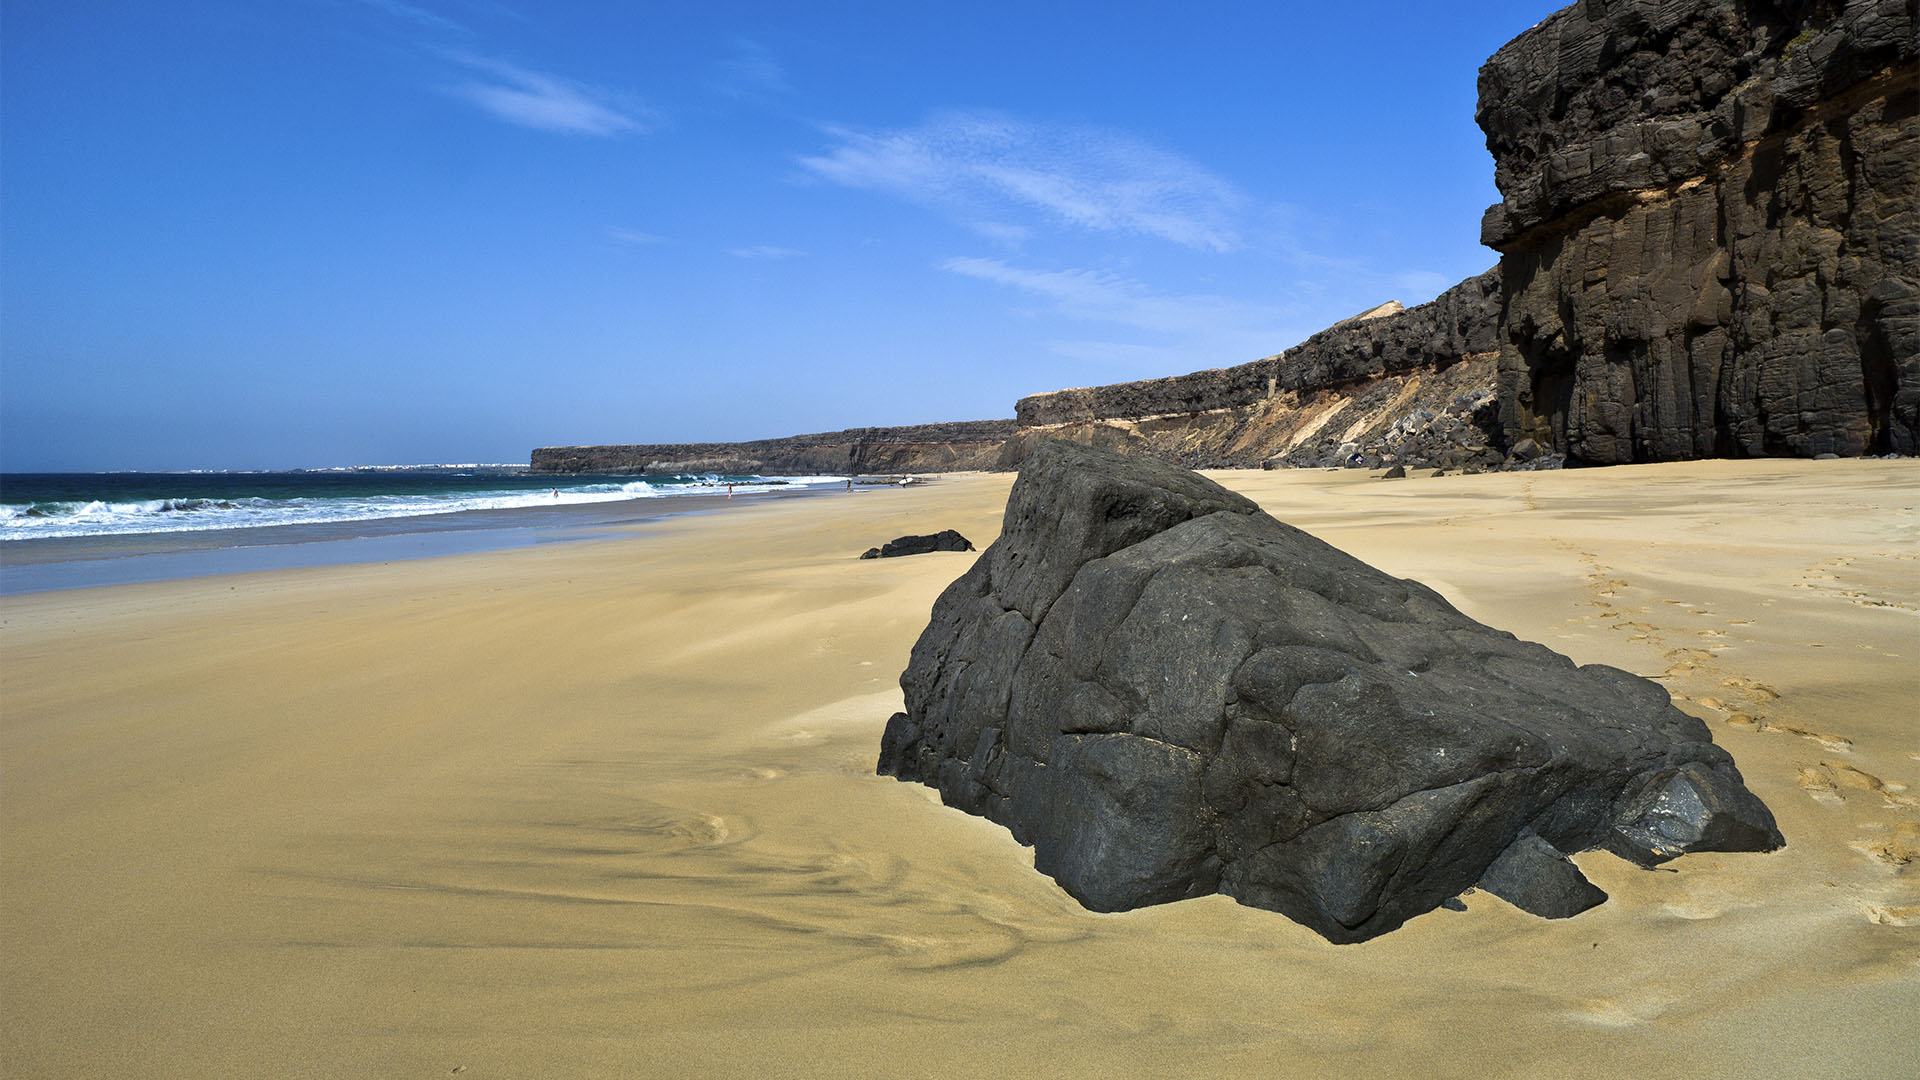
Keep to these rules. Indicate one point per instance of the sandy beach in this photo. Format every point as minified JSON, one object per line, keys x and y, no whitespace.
{"x":607,"y":808}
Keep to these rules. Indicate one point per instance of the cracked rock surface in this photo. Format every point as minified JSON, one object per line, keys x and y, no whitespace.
{"x":1169,"y":693}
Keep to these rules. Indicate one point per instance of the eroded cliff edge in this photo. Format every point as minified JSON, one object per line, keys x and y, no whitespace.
{"x":1388,"y":384}
{"x":1709,"y":233}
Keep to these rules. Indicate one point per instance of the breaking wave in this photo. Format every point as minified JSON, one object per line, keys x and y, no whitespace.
{"x":37,"y":517}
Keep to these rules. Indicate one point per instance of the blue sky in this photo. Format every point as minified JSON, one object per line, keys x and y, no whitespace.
{"x":318,"y":232}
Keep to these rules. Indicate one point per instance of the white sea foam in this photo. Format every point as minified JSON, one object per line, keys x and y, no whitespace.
{"x":97,"y":518}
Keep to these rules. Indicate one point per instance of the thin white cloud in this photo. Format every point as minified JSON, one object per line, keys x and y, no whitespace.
{"x":751,"y":72}
{"x":634,"y":237}
{"x":980,"y":165}
{"x":419,"y":16}
{"x":1183,"y":331}
{"x":1006,"y":235}
{"x":542,"y":102}
{"x":1101,"y":297}
{"x":764,"y":251}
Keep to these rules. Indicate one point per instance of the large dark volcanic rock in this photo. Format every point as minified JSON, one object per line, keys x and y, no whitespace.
{"x":1168,"y":693}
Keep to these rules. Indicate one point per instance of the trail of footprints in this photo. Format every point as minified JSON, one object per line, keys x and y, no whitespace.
{"x":1821,"y":580}
{"x":1745,"y":703}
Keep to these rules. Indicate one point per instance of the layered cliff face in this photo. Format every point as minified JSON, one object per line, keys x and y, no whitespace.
{"x":1710,"y":232}
{"x":1391,"y":385}
{"x":1340,"y":392}
{"x":1461,"y":322}
{"x":923,"y":448}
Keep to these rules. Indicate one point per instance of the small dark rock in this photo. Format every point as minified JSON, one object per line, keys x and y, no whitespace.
{"x":1398,"y":472}
{"x":1536,"y":877}
{"x":944,"y":540}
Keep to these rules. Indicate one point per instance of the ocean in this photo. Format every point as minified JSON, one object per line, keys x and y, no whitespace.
{"x":64,"y":530}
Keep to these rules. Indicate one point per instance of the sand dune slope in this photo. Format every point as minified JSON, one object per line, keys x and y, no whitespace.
{"x":607,"y":809}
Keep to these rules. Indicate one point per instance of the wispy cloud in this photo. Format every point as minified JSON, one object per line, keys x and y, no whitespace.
{"x":1002,"y":233}
{"x":1181,"y":331}
{"x":980,"y":165}
{"x":751,"y":72}
{"x":634,"y":237}
{"x":419,"y":16}
{"x":543,"y":102}
{"x":1102,"y":297}
{"x":765,"y":251}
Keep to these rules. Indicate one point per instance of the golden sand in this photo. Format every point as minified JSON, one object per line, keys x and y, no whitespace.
{"x":607,"y":809}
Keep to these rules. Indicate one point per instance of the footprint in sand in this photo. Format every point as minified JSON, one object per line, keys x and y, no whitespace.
{"x":1839,"y":743}
{"x":1820,"y":580}
{"x":1626,"y":1012}
{"x":1751,"y":690}
{"x":704,"y":830}
{"x":1893,"y":915}
{"x":1898,"y":847}
{"x":1830,"y":781}
{"x":1684,"y":661}
{"x":1819,"y":785}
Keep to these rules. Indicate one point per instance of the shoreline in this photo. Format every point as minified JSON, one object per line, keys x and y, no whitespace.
{"x":609,"y":807}
{"x":43,"y":564}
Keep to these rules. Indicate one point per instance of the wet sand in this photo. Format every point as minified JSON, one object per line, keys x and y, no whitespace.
{"x":607,"y":808}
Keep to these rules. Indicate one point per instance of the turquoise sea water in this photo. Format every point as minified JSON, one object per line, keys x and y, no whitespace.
{"x":65,"y":530}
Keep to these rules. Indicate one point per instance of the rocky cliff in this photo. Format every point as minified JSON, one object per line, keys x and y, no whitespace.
{"x":1710,"y":247}
{"x":1392,"y":385}
{"x":1709,"y":233}
{"x":1427,"y":369}
{"x":923,"y":448}
{"x":1459,"y":323}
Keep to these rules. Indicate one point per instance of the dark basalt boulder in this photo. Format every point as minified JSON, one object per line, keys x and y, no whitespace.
{"x":944,"y":540}
{"x":1168,"y":693}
